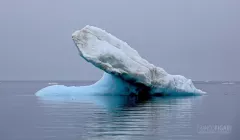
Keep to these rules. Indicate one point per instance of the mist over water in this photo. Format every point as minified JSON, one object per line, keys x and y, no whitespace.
{"x":24,"y":116}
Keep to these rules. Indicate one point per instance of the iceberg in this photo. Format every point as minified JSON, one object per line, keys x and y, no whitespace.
{"x":125,"y":71}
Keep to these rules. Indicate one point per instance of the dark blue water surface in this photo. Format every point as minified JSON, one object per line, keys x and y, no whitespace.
{"x":23,"y":116}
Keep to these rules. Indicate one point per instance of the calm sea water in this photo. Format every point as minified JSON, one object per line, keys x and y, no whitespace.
{"x":23,"y":116}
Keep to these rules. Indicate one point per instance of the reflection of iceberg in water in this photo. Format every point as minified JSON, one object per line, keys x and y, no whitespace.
{"x":126,"y":71}
{"x":127,"y":116}
{"x":107,"y":102}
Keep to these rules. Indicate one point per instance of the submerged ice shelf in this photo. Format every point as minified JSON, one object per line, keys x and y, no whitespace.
{"x":125,"y":70}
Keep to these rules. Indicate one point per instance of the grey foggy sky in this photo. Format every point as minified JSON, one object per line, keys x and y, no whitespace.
{"x":199,"y":39}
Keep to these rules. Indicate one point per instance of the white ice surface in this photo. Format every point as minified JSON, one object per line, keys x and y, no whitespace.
{"x":125,"y":70}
